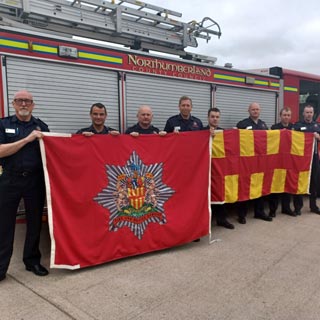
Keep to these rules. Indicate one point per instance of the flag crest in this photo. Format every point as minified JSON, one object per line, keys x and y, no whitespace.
{"x":135,"y":195}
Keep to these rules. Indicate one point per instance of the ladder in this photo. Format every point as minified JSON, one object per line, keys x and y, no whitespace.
{"x":132,"y":23}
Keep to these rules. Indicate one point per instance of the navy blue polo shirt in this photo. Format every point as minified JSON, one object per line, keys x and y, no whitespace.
{"x":139,"y":129}
{"x":249,"y":124}
{"x":180,"y":124}
{"x":28,"y":158}
{"x":281,"y":126}
{"x":307,"y":126}
{"x":105,"y":130}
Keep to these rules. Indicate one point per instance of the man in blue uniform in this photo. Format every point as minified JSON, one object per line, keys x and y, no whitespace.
{"x":98,"y":115}
{"x":22,"y":177}
{"x":253,"y":123}
{"x":308,"y":125}
{"x":183,"y":121}
{"x":218,"y":209}
{"x":285,"y":123}
{"x":144,"y":125}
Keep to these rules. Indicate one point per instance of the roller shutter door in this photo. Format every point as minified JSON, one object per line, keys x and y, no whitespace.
{"x":163,"y":94}
{"x":233,"y":103}
{"x":64,"y":93}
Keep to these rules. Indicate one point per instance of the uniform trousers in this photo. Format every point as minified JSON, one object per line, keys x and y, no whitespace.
{"x":285,"y":202}
{"x":220,"y":212}
{"x":258,"y":207}
{"x":15,"y":186}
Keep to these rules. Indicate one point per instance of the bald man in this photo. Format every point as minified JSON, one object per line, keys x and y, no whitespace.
{"x":253,"y":122}
{"x":144,"y":125}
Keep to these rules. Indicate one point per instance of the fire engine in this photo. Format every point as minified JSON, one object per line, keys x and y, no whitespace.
{"x":296,"y":90}
{"x":41,"y":51}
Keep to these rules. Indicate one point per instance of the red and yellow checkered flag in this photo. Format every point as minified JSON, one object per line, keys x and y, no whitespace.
{"x":249,"y":164}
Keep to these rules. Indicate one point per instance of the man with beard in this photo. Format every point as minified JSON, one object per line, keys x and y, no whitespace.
{"x":22,"y":178}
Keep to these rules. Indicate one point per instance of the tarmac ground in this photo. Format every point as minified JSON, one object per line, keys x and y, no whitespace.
{"x":260,"y":270}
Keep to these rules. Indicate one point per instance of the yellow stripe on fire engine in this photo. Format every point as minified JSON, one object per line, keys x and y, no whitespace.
{"x":218,"y":150}
{"x":297,"y":143}
{"x":46,"y":49}
{"x":256,"y":182}
{"x":246,"y":143}
{"x":14,"y":44}
{"x":273,"y":141}
{"x":292,"y":89}
{"x":230,"y":78}
{"x":99,"y":57}
{"x":261,"y":82}
{"x":275,"y":84}
{"x":278,"y":180}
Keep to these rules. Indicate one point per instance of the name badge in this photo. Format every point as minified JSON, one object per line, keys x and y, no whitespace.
{"x":9,"y":130}
{"x":176,"y":129}
{"x":249,"y":128}
{"x":303,"y":128}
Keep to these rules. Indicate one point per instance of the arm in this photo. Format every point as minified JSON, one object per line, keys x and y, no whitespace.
{"x":9,"y":149}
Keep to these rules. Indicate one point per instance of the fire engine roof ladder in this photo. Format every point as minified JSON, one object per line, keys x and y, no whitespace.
{"x":137,"y":25}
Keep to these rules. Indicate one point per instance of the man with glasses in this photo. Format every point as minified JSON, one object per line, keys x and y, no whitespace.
{"x":22,"y":177}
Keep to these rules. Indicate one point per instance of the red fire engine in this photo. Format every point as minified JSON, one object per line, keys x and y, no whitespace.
{"x":296,"y":90}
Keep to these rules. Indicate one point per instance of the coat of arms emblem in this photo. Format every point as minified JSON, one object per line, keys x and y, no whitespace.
{"x":135,"y":195}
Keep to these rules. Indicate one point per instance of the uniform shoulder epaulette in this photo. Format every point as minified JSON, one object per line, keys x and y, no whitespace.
{"x":41,"y":122}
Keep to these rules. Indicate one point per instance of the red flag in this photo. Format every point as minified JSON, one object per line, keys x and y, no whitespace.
{"x":111,"y":197}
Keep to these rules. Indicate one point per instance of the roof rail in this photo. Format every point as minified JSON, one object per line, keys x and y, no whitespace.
{"x":131,"y":23}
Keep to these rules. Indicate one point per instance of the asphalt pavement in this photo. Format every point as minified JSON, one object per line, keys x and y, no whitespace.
{"x":260,"y":270}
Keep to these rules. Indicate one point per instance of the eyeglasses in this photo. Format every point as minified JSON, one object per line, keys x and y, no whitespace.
{"x":28,"y":102}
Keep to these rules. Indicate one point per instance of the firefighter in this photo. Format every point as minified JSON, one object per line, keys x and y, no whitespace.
{"x":218,"y":209}
{"x":98,"y":115}
{"x":309,"y":125}
{"x":253,"y":122}
{"x":22,"y":177}
{"x":183,"y":121}
{"x":285,"y":118}
{"x":144,"y":125}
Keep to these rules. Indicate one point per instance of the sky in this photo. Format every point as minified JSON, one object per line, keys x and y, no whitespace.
{"x":257,"y":34}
